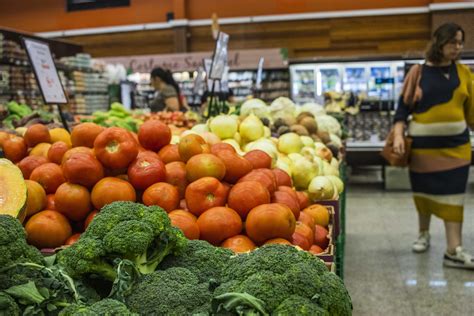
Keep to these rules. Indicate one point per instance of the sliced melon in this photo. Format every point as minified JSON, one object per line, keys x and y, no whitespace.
{"x":13,"y":191}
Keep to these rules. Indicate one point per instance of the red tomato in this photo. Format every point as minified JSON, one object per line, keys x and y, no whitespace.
{"x":146,"y":170}
{"x":89,"y":218}
{"x":72,"y":240}
{"x":115,"y":148}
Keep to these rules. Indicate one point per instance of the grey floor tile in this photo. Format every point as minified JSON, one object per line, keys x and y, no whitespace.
{"x":383,"y":276}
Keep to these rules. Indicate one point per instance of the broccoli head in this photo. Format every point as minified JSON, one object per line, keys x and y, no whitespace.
{"x":8,"y":306}
{"x":123,"y":230}
{"x":275,"y":258}
{"x":13,"y":245}
{"x":297,"y":305}
{"x":274,"y":273}
{"x":175,"y":291}
{"x":106,"y":307}
{"x":200,"y":257}
{"x":87,"y":257}
{"x":334,"y":296}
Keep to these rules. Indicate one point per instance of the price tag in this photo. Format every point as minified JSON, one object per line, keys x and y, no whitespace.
{"x":258,"y":83}
{"x":45,"y":71}
{"x":219,"y":60}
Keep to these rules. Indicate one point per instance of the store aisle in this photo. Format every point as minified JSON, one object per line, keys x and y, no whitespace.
{"x":383,"y":276}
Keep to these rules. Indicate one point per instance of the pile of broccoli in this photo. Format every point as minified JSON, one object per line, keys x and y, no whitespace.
{"x":131,"y":261}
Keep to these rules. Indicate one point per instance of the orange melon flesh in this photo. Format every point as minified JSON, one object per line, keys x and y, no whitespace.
{"x":13,"y":191}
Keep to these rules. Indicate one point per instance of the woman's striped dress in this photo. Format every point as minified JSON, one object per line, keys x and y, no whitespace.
{"x":441,"y":150}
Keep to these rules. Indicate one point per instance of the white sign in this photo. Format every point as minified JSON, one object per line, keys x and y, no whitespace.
{"x":207,"y":68}
{"x":45,"y":71}
{"x":199,"y":81}
{"x":258,"y":84}
{"x":219,"y":60}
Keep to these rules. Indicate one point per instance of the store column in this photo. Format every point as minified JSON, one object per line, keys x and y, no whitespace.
{"x":180,"y":26}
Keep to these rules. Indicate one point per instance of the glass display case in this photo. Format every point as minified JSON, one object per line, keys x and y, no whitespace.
{"x":329,"y":78}
{"x":303,"y":83}
{"x":355,"y":79}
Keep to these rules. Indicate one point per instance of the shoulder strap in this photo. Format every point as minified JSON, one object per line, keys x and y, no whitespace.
{"x":411,"y":84}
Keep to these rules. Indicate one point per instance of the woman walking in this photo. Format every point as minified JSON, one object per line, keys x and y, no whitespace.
{"x":442,"y":110}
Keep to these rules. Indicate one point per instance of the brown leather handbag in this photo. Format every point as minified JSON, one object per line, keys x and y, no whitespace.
{"x":409,"y":91}
{"x":394,"y":159}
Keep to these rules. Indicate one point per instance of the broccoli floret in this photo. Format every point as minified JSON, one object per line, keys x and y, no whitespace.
{"x":106,"y":307}
{"x":175,"y":291}
{"x":334,"y":296}
{"x":301,"y":306}
{"x":86,"y":257}
{"x":8,"y":306}
{"x":13,"y":245}
{"x":109,"y":307}
{"x":275,"y":258}
{"x":77,"y":310}
{"x":201,"y":258}
{"x":306,"y":283}
{"x":123,"y":230}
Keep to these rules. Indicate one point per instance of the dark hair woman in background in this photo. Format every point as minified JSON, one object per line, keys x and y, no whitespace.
{"x":442,"y":113}
{"x":168,"y":96}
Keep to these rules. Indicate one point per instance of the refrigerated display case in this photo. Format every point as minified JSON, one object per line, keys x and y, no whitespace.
{"x":303,"y":83}
{"x":355,"y":79}
{"x":328,"y":78}
{"x":376,"y":80}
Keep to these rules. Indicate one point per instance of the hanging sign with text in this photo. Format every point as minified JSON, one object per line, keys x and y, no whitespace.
{"x":236,"y":60}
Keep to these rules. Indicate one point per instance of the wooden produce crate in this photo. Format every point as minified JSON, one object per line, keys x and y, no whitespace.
{"x":334,"y":207}
{"x":329,"y":255}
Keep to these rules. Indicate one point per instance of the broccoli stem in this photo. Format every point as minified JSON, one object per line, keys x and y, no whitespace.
{"x":146,"y":265}
{"x":106,"y":272}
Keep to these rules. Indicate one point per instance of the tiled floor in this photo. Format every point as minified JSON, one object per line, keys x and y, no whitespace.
{"x":383,"y":276}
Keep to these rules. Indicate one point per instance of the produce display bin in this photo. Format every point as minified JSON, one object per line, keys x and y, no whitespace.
{"x":334,"y":208}
{"x":329,"y":255}
{"x":331,"y":267}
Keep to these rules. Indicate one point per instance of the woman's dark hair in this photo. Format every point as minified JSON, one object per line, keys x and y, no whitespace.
{"x":441,"y":37}
{"x":167,"y":77}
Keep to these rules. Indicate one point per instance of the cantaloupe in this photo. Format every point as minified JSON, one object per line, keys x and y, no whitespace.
{"x":13,"y":191}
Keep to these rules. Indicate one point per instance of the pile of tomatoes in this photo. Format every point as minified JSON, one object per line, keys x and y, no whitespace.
{"x":209,"y":191}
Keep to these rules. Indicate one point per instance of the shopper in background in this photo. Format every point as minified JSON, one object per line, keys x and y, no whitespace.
{"x":168,"y":96}
{"x":440,"y":158}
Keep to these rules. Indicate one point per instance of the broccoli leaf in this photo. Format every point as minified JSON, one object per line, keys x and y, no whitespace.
{"x":26,"y":293}
{"x":127,"y":276}
{"x":242,"y":304}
